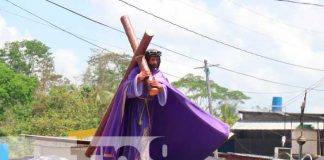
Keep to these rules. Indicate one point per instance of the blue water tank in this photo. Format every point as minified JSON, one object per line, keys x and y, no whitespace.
{"x":276,"y":104}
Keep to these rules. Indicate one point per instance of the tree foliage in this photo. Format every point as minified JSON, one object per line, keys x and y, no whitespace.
{"x":25,"y":56}
{"x":31,"y":58}
{"x":48,"y":104}
{"x":106,"y":70}
{"x":224,"y":101}
{"x":15,"y":88}
{"x":103,"y":75}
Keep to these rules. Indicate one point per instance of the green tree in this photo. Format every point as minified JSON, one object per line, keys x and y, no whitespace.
{"x":32,"y":58}
{"x":24,"y":56}
{"x":67,"y":109}
{"x":228,"y":113}
{"x":57,"y":106}
{"x":224,"y":101}
{"x":15,"y":88}
{"x":106,"y":70}
{"x":16,"y":96}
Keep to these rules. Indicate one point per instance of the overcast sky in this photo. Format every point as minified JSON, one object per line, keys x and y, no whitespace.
{"x":284,"y":31}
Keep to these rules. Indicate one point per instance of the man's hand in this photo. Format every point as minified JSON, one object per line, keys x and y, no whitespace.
{"x":142,"y":75}
{"x":157,"y":84}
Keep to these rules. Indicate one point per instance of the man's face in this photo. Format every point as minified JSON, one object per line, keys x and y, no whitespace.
{"x":153,"y":62}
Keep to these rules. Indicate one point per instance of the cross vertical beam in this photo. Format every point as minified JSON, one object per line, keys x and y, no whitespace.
{"x":138,"y":49}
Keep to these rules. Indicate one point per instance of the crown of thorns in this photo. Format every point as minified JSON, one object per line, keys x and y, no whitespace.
{"x":153,"y":52}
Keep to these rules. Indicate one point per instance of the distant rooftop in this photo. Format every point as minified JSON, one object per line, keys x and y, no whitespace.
{"x":276,"y":121}
{"x":254,"y":116}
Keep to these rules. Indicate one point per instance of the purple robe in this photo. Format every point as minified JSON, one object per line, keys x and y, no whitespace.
{"x":187,"y":131}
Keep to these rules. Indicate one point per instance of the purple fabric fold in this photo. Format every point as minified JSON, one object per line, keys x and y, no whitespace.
{"x":185,"y":131}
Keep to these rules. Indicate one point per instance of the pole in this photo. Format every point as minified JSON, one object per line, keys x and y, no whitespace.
{"x":207,"y":72}
{"x":208,"y":86}
{"x":301,"y":140}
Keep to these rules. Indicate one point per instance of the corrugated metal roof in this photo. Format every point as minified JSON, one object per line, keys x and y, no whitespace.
{"x":318,"y":116}
{"x":281,"y":113}
{"x":272,"y":125}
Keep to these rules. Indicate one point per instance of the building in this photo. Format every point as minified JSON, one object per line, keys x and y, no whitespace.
{"x":47,"y":148}
{"x":261,"y":132}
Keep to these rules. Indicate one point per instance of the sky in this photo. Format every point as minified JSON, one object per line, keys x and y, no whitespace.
{"x":279,"y":30}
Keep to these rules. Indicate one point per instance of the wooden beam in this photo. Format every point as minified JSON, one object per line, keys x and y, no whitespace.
{"x":139,"y":49}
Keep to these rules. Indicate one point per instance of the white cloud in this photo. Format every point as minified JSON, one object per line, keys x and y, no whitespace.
{"x":66,"y":63}
{"x":234,"y":25}
{"x":9,"y":33}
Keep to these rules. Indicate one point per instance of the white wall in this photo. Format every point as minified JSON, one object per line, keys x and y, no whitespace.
{"x":310,"y":147}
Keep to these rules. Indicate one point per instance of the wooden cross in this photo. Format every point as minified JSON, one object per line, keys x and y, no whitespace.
{"x":138,"y":49}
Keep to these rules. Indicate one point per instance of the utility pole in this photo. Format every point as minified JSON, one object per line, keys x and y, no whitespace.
{"x":208,"y":86}
{"x":301,"y":140}
{"x":207,"y":72}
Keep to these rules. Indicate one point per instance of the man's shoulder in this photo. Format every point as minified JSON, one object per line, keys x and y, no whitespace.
{"x":160,"y":74}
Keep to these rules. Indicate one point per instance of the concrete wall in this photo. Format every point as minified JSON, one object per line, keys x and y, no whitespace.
{"x":58,"y":148}
{"x":310,"y":146}
{"x":43,"y":148}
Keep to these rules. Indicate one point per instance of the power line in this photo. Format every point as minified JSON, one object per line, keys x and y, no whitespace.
{"x":282,"y":92}
{"x":50,"y":26}
{"x":302,"y":3}
{"x":171,"y":75}
{"x":274,"y":19}
{"x":81,"y":15}
{"x":115,"y":29}
{"x":251,"y":92}
{"x":178,"y":53}
{"x":221,"y":42}
{"x":64,"y":30}
{"x":23,"y":17}
{"x":57,"y":27}
{"x":118,"y":30}
{"x":255,"y":92}
{"x":159,"y":46}
{"x":293,"y":99}
{"x":262,"y":79}
{"x":234,"y":23}
{"x":168,"y":50}
{"x":311,"y":87}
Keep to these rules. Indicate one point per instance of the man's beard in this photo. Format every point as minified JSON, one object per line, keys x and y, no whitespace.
{"x":153,"y":67}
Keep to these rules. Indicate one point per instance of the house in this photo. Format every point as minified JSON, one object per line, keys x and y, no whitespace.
{"x":261,"y":132}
